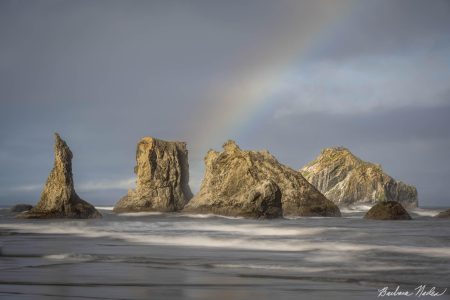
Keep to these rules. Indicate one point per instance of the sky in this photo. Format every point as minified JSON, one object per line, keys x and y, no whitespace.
{"x":291,"y":77}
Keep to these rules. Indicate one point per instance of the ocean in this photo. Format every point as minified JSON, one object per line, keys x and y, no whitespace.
{"x":186,"y":256}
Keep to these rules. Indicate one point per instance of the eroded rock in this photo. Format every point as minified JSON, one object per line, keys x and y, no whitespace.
{"x":387,"y":210}
{"x":347,"y":180}
{"x":59,"y":199}
{"x":234,"y":178}
{"x":162,"y":178}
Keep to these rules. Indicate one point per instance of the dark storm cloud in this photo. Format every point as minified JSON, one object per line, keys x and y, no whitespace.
{"x":105,"y":73}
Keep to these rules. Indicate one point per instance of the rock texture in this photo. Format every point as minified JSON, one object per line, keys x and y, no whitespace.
{"x":387,"y":210}
{"x":251,"y":183}
{"x":261,"y":201}
{"x":443,"y":214}
{"x":347,"y":180}
{"x":21,"y":207}
{"x":162,"y":183}
{"x":59,"y":199}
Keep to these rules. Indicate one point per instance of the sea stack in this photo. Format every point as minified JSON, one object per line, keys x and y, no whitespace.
{"x":162,"y":178}
{"x":250,"y":183}
{"x":59,"y":199}
{"x":347,"y":180}
{"x":387,"y":210}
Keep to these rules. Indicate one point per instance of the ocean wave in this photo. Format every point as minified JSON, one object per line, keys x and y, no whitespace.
{"x":355,"y":208}
{"x":255,"y":229}
{"x":140,"y":214}
{"x":75,"y":257}
{"x":302,"y":217}
{"x":192,"y":239}
{"x":192,"y":227}
{"x":105,"y":207}
{"x":275,"y":268}
{"x":373,"y":266}
{"x":207,"y":216}
{"x":425,"y":212}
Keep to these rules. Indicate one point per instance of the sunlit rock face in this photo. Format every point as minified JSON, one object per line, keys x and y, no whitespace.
{"x":254,"y":184}
{"x":347,"y":180}
{"x":59,"y":199}
{"x":387,"y":210}
{"x":162,"y":178}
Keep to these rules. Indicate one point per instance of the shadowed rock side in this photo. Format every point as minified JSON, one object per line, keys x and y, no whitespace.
{"x":59,"y":199}
{"x":21,"y":207}
{"x":387,"y":210}
{"x":347,"y":180}
{"x":443,"y":214}
{"x":250,"y":183}
{"x":162,"y":182}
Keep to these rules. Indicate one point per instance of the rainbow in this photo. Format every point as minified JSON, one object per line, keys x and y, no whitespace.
{"x":238,"y":105}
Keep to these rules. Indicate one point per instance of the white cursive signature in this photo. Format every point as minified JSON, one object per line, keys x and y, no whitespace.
{"x":419,"y":291}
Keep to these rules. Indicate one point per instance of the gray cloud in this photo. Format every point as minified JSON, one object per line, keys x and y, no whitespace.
{"x":388,"y":27}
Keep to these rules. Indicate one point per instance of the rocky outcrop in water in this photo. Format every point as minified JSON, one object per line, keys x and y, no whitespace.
{"x":347,"y":180}
{"x":59,"y":199}
{"x":262,"y":201}
{"x":162,"y":182}
{"x":443,"y":214}
{"x":251,"y":183}
{"x":21,"y":208}
{"x":387,"y":210}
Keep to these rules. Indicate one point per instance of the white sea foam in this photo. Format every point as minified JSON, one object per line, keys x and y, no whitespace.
{"x":301,"y":217}
{"x":206,"y":216}
{"x":425,"y":212}
{"x":140,"y":214}
{"x":276,"y":268}
{"x":105,"y":207}
{"x":302,"y":269}
{"x":256,"y":229}
{"x":356,"y":208}
{"x":199,"y":227}
{"x":74,"y":257}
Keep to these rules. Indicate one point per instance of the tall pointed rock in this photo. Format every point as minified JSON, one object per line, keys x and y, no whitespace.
{"x":162,"y":182}
{"x":59,"y":199}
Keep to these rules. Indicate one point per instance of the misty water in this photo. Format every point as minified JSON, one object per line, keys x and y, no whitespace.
{"x":180,"y":256}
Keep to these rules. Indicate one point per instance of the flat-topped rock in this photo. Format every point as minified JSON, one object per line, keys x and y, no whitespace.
{"x":347,"y":180}
{"x":59,"y":199}
{"x":162,"y":178}
{"x":249,"y":184}
{"x":387,"y":210}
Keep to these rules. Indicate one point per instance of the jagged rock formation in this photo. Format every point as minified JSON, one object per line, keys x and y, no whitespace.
{"x":347,"y":180}
{"x":387,"y":210}
{"x":443,"y":214}
{"x":59,"y":199}
{"x":21,"y":207}
{"x":162,"y":183}
{"x":246,"y":183}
